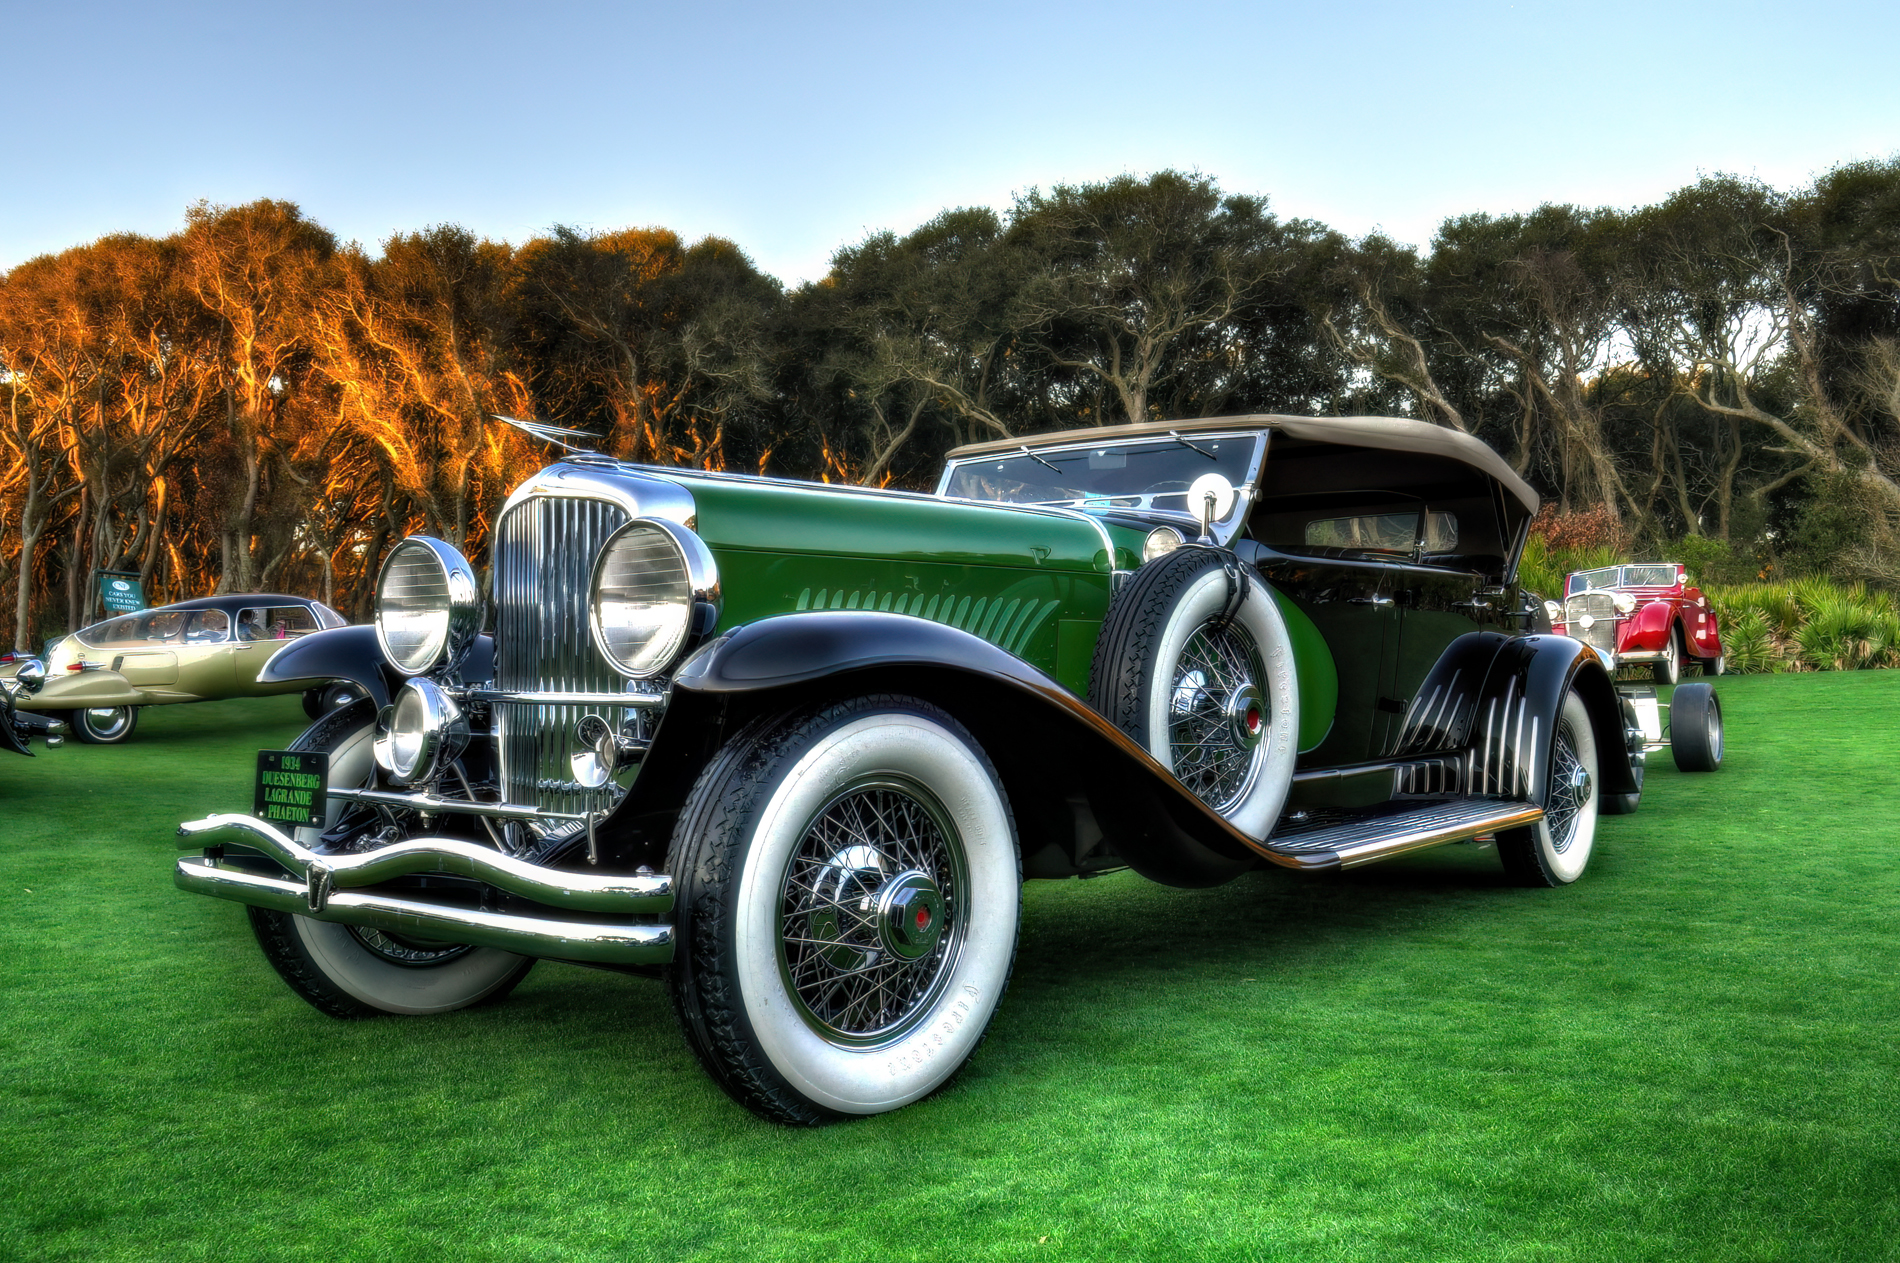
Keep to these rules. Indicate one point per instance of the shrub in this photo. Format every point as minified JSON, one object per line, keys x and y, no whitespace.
{"x":1750,"y":645}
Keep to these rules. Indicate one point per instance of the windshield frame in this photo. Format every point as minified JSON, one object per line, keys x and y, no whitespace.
{"x":1225,"y":529}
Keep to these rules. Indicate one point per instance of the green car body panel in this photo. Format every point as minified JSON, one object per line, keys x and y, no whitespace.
{"x":1034,"y":583}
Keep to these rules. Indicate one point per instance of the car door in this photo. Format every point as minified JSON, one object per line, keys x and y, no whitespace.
{"x":1351,"y":602}
{"x":204,"y":654}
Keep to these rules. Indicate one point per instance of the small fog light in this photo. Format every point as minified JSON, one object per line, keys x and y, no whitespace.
{"x":422,"y":732}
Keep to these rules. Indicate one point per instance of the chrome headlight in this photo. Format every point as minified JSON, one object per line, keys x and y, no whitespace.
{"x":428,"y":605}
{"x":1161,"y":541}
{"x":655,"y":587}
{"x":1624,"y":602}
{"x":424,"y":732}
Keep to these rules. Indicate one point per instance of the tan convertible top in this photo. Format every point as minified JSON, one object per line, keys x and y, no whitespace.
{"x":1391,"y":433}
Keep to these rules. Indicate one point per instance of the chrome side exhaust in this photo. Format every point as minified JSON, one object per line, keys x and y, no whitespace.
{"x":327,"y":892}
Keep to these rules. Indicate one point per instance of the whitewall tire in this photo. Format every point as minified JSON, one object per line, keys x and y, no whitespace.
{"x":848,"y":895}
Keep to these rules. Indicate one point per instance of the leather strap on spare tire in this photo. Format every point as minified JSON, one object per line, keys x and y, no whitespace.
{"x":1194,"y":662}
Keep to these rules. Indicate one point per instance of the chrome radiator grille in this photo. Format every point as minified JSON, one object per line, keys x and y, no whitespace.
{"x":544,"y":557}
{"x":1601,"y":634}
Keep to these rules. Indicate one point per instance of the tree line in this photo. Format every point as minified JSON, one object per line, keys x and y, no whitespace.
{"x":249,"y":404}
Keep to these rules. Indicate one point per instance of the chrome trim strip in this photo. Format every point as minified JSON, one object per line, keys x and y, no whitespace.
{"x":602,"y":943}
{"x":438,"y":805}
{"x":636,"y":894}
{"x":521,"y":697}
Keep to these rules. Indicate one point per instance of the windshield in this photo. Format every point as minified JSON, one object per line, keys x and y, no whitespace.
{"x":1143,"y":474}
{"x":1589,"y":579}
{"x":1649,"y":576}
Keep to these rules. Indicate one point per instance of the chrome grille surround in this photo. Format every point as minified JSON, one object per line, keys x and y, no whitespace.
{"x":546,"y":543}
{"x":1601,"y":609}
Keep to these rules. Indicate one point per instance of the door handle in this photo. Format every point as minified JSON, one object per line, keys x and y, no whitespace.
{"x":1380,"y":601}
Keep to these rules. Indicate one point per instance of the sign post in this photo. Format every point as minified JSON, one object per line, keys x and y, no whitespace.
{"x":120,"y":591}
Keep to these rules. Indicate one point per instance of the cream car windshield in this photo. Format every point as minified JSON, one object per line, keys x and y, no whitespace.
{"x":158,"y":628}
{"x":1149,"y":474}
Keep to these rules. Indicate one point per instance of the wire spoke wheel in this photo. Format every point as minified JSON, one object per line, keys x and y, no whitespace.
{"x":1569,"y":789}
{"x":871,"y":912}
{"x":1218,"y":714}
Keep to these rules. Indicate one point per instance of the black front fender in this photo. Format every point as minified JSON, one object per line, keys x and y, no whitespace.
{"x":1046,"y":743}
{"x":340,"y":653}
{"x":354,"y":654}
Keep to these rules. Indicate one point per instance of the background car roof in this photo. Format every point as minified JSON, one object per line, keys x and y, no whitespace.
{"x":1391,"y":433}
{"x":229,"y":602}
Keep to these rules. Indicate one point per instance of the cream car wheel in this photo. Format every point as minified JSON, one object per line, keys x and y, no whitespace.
{"x":847,"y":911}
{"x":105,"y":725}
{"x":347,"y":971}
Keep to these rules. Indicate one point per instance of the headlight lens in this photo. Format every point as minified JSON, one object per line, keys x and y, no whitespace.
{"x":1624,"y":602}
{"x":425,"y":731}
{"x":648,"y":582}
{"x":428,"y":606}
{"x":1161,"y":541}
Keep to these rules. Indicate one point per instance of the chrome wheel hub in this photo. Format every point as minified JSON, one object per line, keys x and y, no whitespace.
{"x":910,"y":915}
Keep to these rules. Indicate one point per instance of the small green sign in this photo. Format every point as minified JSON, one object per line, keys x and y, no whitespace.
{"x":290,"y":787}
{"x":120,"y":591}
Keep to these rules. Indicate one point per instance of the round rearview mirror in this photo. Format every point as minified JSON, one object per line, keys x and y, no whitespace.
{"x":1210,"y":498}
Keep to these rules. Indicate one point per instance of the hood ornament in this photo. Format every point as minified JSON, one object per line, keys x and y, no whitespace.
{"x":555,"y":434}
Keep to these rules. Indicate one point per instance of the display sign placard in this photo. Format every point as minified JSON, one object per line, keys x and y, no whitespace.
{"x":290,"y":787}
{"x":121,"y":591}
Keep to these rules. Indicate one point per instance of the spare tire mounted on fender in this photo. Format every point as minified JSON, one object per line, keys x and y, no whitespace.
{"x":1212,"y":695}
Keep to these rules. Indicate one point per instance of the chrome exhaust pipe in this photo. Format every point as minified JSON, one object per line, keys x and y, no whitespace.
{"x":322,"y":887}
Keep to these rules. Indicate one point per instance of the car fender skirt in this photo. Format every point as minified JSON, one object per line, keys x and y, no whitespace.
{"x":1046,"y":742}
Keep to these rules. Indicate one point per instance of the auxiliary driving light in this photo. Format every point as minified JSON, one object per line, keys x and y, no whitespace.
{"x":424,"y":732}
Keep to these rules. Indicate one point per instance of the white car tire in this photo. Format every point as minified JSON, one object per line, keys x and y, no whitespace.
{"x":849,"y":889}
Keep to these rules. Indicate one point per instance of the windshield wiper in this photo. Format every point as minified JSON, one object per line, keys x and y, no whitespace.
{"x":1039,"y":460}
{"x":1176,"y":436}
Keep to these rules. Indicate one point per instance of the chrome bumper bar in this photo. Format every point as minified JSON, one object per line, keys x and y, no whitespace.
{"x":326,"y":893}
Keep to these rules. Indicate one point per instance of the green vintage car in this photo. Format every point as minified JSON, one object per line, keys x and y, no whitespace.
{"x":793,"y":748}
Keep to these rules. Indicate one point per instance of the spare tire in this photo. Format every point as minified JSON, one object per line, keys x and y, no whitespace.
{"x":1214,"y":699}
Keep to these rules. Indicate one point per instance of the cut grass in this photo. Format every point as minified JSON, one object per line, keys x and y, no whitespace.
{"x":1687,"y":1055}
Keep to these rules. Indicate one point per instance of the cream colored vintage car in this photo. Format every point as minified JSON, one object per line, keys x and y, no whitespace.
{"x":194,"y":651}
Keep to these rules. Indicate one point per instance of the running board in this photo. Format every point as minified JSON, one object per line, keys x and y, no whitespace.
{"x":1363,"y":841}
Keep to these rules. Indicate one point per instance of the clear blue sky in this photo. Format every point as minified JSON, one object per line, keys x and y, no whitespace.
{"x":795,"y":129}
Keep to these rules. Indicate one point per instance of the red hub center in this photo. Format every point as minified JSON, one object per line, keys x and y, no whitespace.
{"x":1253,"y":719}
{"x":923,"y":917}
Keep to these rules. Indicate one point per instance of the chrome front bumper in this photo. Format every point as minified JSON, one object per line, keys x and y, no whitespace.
{"x":330,"y":888}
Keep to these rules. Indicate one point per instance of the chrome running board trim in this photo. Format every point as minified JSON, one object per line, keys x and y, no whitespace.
{"x":607,"y":944}
{"x":631,"y":894}
{"x":1356,"y":842}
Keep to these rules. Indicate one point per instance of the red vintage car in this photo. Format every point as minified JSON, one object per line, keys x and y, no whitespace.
{"x":1641,"y":613}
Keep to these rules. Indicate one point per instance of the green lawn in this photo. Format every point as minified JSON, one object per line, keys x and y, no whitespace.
{"x":1688,"y":1055}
